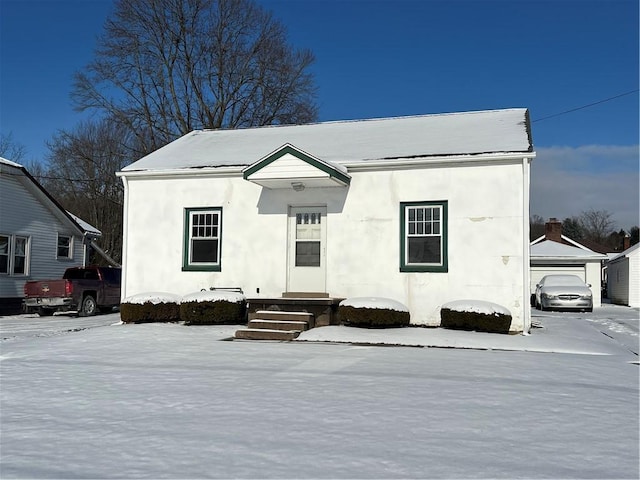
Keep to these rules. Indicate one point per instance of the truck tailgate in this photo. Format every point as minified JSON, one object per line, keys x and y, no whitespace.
{"x":45,"y":288}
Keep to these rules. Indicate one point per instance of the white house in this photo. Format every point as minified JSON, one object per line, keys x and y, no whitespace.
{"x":422,"y":209}
{"x":38,"y":238}
{"x":555,"y":253}
{"x":624,"y":277}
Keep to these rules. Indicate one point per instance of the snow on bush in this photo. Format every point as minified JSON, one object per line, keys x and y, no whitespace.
{"x":152,"y":297}
{"x":373,"y":312}
{"x":475,"y":315}
{"x":150,"y":307}
{"x":211,"y":307}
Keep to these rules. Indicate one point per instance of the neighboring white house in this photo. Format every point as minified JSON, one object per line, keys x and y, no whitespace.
{"x":624,"y":277}
{"x":557,"y":254}
{"x":38,"y":238}
{"x":423,"y":210}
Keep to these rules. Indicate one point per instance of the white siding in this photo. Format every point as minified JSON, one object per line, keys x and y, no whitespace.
{"x":288,"y":166}
{"x":634,"y":279}
{"x":486,"y":257}
{"x":624,"y":280}
{"x":21,"y":213}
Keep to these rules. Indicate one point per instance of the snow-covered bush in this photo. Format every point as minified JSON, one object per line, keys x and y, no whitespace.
{"x":475,"y":315}
{"x":150,"y":307}
{"x":213,"y":307}
{"x":373,"y":312}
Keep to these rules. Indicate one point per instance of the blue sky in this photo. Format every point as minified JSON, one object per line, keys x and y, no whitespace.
{"x":405,"y":57}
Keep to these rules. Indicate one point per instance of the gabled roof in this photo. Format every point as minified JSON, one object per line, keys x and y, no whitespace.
{"x":633,"y":250}
{"x":289,"y":165}
{"x":494,"y":132}
{"x":41,"y":194}
{"x":550,"y":250}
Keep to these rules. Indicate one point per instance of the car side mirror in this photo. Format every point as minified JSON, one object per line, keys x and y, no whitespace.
{"x":589,"y":285}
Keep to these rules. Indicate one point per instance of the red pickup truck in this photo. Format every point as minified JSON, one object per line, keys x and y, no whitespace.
{"x":84,"y":289}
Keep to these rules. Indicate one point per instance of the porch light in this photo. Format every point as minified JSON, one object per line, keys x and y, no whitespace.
{"x":297,"y":186}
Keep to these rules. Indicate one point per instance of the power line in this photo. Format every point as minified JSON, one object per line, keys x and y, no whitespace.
{"x":585,"y":106}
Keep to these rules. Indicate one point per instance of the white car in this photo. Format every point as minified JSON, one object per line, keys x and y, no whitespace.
{"x":563,"y":292}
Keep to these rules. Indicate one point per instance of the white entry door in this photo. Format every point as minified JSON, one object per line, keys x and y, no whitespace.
{"x":307,"y":249}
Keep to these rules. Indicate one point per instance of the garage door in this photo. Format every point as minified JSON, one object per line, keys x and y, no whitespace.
{"x":537,"y":272}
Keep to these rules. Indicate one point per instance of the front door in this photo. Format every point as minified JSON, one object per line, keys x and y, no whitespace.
{"x":307,"y":249}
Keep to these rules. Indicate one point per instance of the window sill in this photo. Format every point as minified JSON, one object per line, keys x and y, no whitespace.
{"x":420,"y":268}
{"x":202,"y":268}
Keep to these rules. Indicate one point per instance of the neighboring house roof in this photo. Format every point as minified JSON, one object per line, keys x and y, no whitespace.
{"x":633,"y":250}
{"x":496,"y":132}
{"x":550,"y":250}
{"x":39,"y":191}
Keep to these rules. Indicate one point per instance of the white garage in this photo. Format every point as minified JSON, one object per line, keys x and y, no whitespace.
{"x":553,"y":258}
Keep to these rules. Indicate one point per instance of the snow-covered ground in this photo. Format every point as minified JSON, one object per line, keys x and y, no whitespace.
{"x":93,"y":398}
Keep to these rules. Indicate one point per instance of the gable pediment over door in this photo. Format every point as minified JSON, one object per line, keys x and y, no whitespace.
{"x":290,"y":167}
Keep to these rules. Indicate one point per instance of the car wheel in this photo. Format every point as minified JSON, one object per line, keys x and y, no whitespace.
{"x":88,"y":307}
{"x":45,"y":312}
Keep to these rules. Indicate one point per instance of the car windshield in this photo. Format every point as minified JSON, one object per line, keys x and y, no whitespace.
{"x":562,"y":280}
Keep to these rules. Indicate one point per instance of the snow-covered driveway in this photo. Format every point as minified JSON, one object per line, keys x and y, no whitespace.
{"x":168,"y":401}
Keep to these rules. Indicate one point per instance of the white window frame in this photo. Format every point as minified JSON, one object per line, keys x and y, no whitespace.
{"x":70,"y":247}
{"x":7,"y":254}
{"x":12,"y":255}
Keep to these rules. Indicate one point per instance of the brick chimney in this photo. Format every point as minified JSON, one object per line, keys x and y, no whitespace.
{"x":626,"y":242}
{"x":553,"y":230}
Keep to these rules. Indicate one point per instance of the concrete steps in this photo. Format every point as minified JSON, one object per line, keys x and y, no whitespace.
{"x":275,"y":325}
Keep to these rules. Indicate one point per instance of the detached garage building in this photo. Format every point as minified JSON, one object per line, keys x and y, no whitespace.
{"x":624,"y":277}
{"x":556,"y":254}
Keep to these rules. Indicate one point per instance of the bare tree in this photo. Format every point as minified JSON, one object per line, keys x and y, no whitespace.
{"x":597,"y":225}
{"x":166,"y":67}
{"x":10,"y":149}
{"x":81,"y":176}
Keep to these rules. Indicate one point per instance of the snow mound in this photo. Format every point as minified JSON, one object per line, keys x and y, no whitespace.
{"x":374,"y":302}
{"x":476,"y":306}
{"x":152,"y":297}
{"x":214,"y":296}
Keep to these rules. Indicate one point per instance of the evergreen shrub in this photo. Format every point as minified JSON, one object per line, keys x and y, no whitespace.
{"x":373,"y":313}
{"x":146,"y":308}
{"x":472,"y":319}
{"x":212,"y":309}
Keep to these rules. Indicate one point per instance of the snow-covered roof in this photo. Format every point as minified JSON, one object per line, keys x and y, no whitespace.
{"x":10,"y":163}
{"x":549,"y":249}
{"x":87,"y":227}
{"x":629,"y":251}
{"x":566,"y":239}
{"x":345,"y":142}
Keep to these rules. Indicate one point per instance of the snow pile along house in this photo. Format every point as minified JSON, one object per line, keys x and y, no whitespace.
{"x":422,"y":209}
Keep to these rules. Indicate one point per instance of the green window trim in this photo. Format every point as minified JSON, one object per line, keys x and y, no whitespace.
{"x":440,"y":206}
{"x":213,"y":234}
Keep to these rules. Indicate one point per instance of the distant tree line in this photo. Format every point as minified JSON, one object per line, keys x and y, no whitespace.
{"x":163,"y":68}
{"x":594,"y":226}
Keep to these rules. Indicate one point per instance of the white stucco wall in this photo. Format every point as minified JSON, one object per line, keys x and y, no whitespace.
{"x":485,"y":237}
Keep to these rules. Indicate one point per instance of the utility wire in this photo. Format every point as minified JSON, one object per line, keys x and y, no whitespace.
{"x":585,"y":106}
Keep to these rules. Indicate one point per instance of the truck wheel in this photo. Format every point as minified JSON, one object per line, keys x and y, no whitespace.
{"x":45,"y":312}
{"x":88,"y":307}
